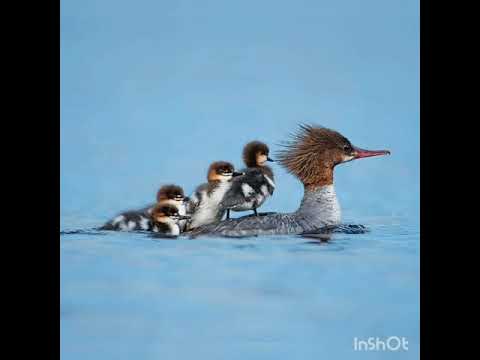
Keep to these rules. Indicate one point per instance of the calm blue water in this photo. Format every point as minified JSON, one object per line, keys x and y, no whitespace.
{"x":152,"y":92}
{"x":126,"y":296}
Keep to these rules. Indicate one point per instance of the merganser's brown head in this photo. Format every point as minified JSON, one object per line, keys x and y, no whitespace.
{"x":255,"y":153}
{"x":170,"y":194}
{"x":167,"y":214}
{"x":221,"y":171}
{"x":314,"y":151}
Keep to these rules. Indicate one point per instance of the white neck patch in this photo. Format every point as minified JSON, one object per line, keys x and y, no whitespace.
{"x":321,"y":205}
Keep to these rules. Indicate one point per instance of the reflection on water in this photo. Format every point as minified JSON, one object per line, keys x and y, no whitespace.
{"x":82,"y":232}
{"x":244,"y":246}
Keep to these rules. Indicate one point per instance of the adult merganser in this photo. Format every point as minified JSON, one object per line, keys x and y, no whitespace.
{"x":249,"y":192}
{"x":204,"y":205}
{"x":140,"y":219}
{"x":311,"y":156}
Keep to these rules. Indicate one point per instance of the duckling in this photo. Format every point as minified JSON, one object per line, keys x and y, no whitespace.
{"x":249,"y":192}
{"x":165,"y":218}
{"x":131,"y":220}
{"x":204,"y":205}
{"x":174,"y":195}
{"x":139,"y":219}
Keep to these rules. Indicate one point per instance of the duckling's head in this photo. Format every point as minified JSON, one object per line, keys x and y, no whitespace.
{"x":170,"y":193}
{"x":166,"y":214}
{"x":221,"y":171}
{"x":314,"y":151}
{"x":255,"y":153}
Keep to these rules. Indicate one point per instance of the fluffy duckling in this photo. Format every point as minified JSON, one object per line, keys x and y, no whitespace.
{"x":174,"y":195}
{"x":165,"y":219}
{"x":141,"y":219}
{"x":132,"y":220}
{"x":249,"y":192}
{"x":204,"y":205}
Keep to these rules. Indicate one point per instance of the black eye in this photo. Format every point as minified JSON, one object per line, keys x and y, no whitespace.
{"x":347,"y":147}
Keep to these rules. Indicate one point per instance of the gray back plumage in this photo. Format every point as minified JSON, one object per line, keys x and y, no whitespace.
{"x":319,"y":208}
{"x":254,"y":225}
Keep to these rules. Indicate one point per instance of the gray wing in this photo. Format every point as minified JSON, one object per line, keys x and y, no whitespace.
{"x":254,"y":177}
{"x":253,"y":226}
{"x":235,"y":195}
{"x":258,"y":177}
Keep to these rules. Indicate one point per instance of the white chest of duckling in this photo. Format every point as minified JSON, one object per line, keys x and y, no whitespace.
{"x":208,"y":210}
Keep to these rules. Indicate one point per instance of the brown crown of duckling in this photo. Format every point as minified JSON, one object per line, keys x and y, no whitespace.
{"x":221,"y":171}
{"x":165,"y":213}
{"x":255,"y":153}
{"x":314,"y":151}
{"x":170,"y":192}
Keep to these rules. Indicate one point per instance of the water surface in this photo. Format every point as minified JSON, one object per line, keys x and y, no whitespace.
{"x":126,"y":295}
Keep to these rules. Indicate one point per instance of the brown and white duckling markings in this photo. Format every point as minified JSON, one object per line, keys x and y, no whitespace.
{"x":174,"y":195}
{"x":165,"y":219}
{"x":171,"y":194}
{"x":134,"y":220}
{"x":204,"y":205}
{"x":249,"y":192}
{"x":311,"y":156}
{"x":131,"y":220}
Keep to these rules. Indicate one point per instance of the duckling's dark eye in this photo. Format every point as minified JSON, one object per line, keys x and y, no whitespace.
{"x":347,"y":147}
